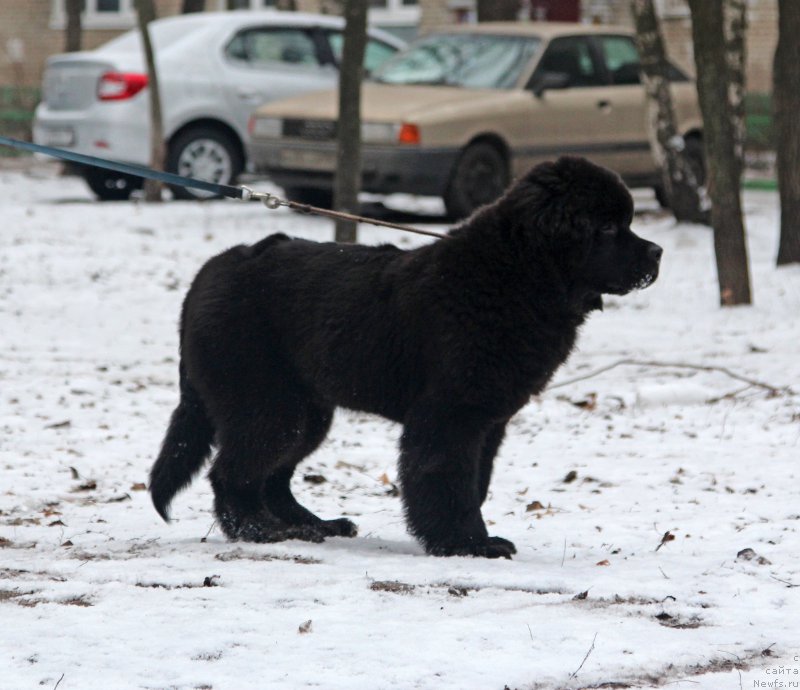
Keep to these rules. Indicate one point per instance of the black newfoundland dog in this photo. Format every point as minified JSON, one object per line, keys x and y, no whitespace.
{"x":449,"y":340}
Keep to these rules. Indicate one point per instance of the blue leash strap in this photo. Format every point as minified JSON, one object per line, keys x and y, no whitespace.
{"x":244,"y":193}
{"x":128,"y":168}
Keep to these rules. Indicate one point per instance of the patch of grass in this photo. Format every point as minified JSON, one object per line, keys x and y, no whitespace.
{"x":16,"y":115}
{"x":758,"y":122}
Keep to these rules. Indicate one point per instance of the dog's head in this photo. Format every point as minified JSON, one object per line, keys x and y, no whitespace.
{"x":577,"y":215}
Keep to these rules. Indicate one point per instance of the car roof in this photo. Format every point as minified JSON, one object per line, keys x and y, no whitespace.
{"x":545,"y":30}
{"x":266,"y":16}
{"x":233,"y":19}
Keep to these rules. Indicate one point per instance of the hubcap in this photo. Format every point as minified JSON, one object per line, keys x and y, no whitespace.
{"x":205,"y":159}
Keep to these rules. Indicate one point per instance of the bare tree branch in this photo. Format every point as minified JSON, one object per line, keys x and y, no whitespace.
{"x":772,"y":390}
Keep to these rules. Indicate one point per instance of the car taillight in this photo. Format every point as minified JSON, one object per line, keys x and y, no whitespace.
{"x":118,"y":86}
{"x":408,"y":134}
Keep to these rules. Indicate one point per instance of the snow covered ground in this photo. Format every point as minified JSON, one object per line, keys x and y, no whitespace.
{"x":630,"y":494}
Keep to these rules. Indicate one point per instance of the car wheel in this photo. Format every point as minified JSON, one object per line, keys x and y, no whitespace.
{"x":322,"y":198}
{"x":109,"y":185}
{"x":695,"y":156}
{"x":204,"y":153}
{"x":480,"y":176}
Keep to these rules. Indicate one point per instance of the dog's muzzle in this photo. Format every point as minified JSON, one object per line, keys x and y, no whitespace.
{"x":653,"y":260}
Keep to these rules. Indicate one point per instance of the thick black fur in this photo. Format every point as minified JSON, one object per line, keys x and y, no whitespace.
{"x":449,"y":339}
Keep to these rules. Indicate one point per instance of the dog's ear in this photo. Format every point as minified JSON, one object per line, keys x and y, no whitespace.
{"x":557,"y":207}
{"x":548,"y":210}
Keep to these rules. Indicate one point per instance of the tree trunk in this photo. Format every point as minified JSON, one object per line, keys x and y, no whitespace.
{"x":498,"y":10}
{"x":74,"y":33}
{"x":189,"y":6}
{"x":786,"y":103}
{"x":719,"y":104}
{"x":735,"y":29}
{"x":347,"y":181}
{"x":145,"y":13}
{"x":680,"y":180}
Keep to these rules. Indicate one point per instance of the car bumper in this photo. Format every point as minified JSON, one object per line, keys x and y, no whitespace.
{"x":113,"y":135}
{"x":385,"y":169}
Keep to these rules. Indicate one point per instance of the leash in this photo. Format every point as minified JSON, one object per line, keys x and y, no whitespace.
{"x":241,"y":192}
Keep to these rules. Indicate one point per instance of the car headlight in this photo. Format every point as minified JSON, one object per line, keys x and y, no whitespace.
{"x":379,"y":132}
{"x":266,"y":127}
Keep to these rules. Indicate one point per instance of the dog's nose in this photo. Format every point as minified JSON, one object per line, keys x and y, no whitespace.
{"x":654,"y":252}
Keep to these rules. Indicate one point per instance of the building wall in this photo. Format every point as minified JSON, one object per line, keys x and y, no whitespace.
{"x":28,"y":23}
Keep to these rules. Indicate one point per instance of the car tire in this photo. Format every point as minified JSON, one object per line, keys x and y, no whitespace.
{"x":108,"y":185}
{"x":321,"y":198}
{"x":204,"y":153}
{"x":696,"y":157}
{"x":479,"y":177}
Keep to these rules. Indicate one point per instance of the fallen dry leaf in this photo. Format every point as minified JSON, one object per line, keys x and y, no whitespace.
{"x":668,"y":536}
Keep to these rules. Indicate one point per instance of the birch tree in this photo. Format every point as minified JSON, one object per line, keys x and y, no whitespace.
{"x":786,"y":103}
{"x":718,"y":28}
{"x":680,"y":173}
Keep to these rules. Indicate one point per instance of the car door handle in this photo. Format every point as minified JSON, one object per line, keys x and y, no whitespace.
{"x":604,"y":105}
{"x":247,"y":95}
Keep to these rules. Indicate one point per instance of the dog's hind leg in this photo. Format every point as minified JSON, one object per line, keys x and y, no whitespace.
{"x":277,"y":493}
{"x":490,"y":447}
{"x":443,"y":481}
{"x":238,"y":504}
{"x":252,"y":471}
{"x":254,"y":441}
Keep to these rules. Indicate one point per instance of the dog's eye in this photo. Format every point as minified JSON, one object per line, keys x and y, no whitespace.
{"x":609,"y":230}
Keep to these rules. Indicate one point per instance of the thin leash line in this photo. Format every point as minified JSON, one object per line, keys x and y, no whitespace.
{"x":242,"y":192}
{"x":272,"y":201}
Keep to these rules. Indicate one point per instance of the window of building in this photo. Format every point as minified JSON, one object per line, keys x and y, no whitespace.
{"x":98,"y":14}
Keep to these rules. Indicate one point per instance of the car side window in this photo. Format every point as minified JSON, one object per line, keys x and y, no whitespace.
{"x":621,"y":59}
{"x":571,"y":56}
{"x":265,"y":46}
{"x":375,"y":53}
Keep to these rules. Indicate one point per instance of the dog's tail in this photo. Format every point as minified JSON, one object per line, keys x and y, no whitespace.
{"x":184,"y":450}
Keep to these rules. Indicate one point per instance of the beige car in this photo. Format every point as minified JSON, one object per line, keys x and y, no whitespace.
{"x":464,"y":110}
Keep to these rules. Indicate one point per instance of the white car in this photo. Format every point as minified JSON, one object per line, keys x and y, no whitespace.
{"x":214,"y":69}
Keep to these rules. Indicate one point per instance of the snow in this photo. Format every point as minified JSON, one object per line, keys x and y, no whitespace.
{"x":96,"y":592}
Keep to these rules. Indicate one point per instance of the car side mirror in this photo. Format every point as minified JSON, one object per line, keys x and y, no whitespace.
{"x":549,"y":80}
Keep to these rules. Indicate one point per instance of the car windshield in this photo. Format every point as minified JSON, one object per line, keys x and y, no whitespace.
{"x":471,"y":60}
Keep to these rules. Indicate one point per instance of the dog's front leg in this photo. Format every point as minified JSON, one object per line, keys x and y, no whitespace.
{"x":441,"y":453}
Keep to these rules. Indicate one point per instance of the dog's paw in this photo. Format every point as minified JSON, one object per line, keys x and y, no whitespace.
{"x":269,"y":535}
{"x":339,"y":528}
{"x":265,"y":528}
{"x":492,"y":547}
{"x":503,"y":547}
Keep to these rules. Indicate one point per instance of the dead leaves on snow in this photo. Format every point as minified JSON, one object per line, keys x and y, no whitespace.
{"x":27,"y":600}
